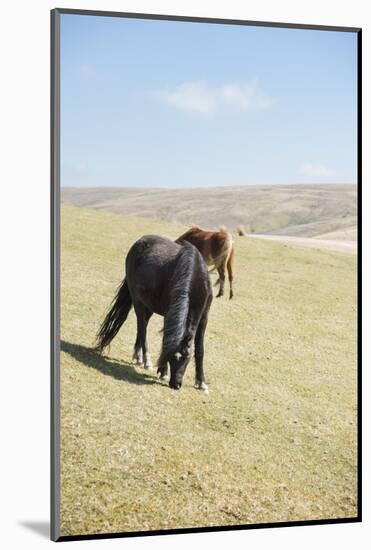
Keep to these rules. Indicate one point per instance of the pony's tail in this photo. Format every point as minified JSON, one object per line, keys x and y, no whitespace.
{"x":115,"y":318}
{"x":175,"y":324}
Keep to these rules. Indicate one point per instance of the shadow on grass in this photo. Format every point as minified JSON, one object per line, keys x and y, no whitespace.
{"x":119,"y":371}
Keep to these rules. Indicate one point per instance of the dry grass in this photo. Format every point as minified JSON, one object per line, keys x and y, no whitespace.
{"x":275,"y":439}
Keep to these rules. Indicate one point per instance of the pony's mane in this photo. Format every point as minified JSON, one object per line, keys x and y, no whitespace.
{"x":175,"y":324}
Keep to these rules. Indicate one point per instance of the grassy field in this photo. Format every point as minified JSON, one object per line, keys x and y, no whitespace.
{"x":275,"y":438}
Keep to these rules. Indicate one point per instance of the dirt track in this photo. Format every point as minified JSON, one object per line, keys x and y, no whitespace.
{"x":349,"y":247}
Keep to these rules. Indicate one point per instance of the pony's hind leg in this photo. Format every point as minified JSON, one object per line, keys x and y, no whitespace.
{"x":141,"y":351}
{"x":137,"y":352}
{"x":221,"y":272}
{"x":230,"y":273}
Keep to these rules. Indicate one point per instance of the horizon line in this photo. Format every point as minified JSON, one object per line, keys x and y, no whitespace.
{"x":205,"y":186}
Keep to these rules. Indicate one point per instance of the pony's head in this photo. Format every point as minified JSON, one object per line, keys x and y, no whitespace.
{"x":178,"y":363}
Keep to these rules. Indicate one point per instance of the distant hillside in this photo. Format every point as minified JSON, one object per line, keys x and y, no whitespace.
{"x":346,"y":234}
{"x":297,"y":210}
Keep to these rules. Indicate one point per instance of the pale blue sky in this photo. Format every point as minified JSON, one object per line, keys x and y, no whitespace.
{"x":176,"y":104}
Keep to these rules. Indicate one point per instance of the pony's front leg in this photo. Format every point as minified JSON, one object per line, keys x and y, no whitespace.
{"x":199,"y":355}
{"x":163,"y":371}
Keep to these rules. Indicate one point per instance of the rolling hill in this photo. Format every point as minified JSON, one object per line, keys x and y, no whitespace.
{"x":295,"y":210}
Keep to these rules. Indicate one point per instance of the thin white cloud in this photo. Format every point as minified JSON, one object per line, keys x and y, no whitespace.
{"x":203,"y":98}
{"x":192,"y":96}
{"x":246,"y":96}
{"x":316,"y":170}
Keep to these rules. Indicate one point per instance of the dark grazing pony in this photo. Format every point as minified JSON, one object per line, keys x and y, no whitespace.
{"x":217,"y":250}
{"x":171,"y":280}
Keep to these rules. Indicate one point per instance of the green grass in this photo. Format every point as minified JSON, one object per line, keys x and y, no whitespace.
{"x":275,"y":438}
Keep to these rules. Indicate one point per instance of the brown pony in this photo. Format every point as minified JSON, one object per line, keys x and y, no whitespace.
{"x":217,"y":249}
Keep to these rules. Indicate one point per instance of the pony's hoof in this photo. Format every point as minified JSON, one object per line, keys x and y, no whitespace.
{"x":147,"y":361}
{"x":202,"y":386}
{"x":148,"y":365}
{"x":219,"y":295}
{"x":138,"y":358}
